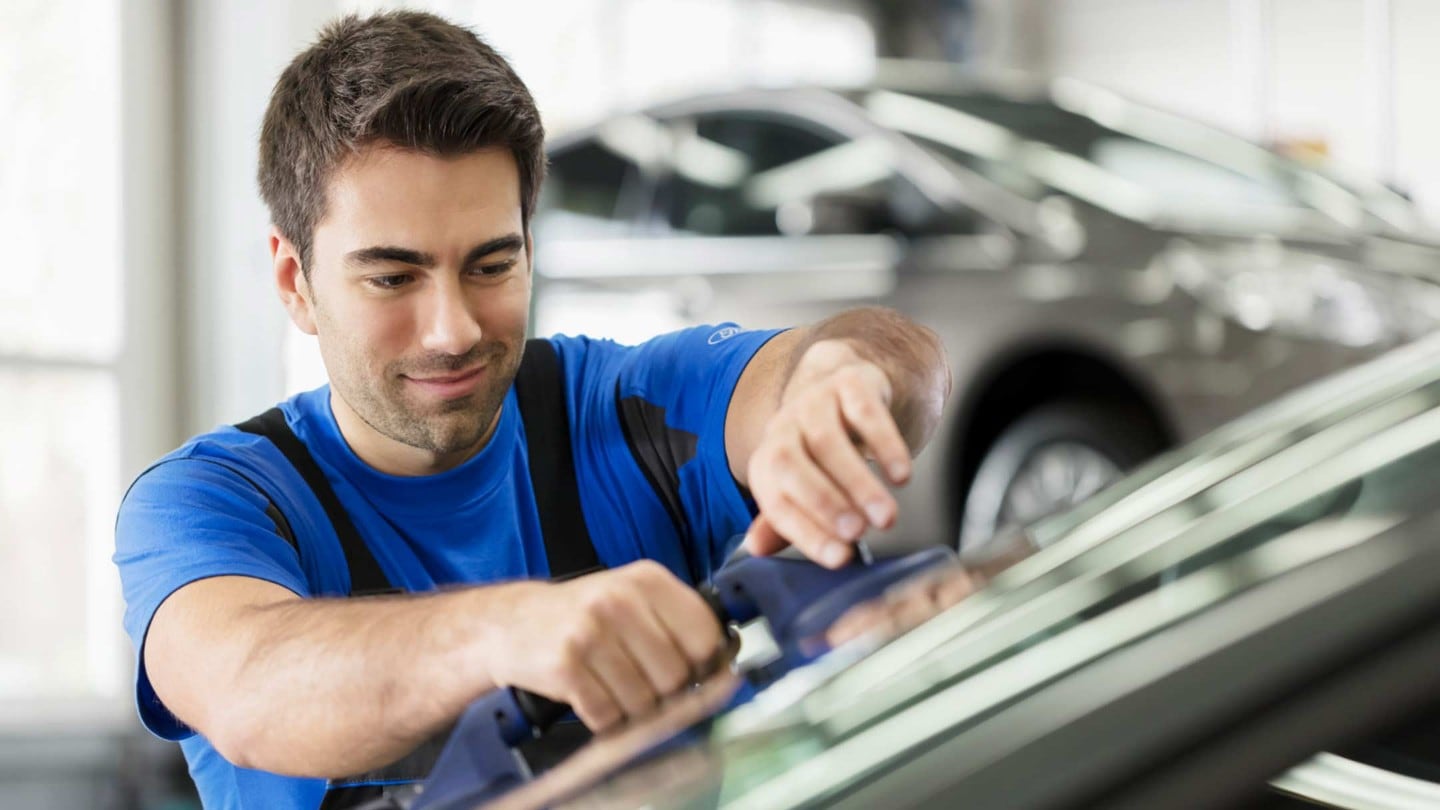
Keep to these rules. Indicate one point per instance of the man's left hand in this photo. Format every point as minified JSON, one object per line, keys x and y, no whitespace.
{"x":810,"y":474}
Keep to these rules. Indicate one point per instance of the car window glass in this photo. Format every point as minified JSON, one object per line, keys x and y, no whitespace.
{"x":587,"y":192}
{"x":1040,"y":129}
{"x":758,"y":175}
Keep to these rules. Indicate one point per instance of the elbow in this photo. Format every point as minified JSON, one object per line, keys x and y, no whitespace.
{"x":238,"y":739}
{"x":252,"y":739}
{"x":247,"y":739}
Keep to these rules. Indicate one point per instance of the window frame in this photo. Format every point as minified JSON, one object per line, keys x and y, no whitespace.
{"x":143,"y":369}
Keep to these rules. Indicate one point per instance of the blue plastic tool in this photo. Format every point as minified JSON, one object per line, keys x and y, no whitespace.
{"x":798,"y":599}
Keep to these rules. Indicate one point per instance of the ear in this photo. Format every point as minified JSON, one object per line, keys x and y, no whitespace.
{"x":290,"y":282}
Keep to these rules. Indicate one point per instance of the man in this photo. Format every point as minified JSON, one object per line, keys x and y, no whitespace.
{"x":401,"y":159}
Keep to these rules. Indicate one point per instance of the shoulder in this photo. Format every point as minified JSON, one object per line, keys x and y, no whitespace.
{"x":225,"y":466}
{"x":666,"y":361}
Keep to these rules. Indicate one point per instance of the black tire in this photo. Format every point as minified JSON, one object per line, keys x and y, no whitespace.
{"x":1118,"y":433}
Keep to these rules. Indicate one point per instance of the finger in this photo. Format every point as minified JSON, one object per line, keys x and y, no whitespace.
{"x":660,"y":653}
{"x":871,"y":617}
{"x":691,"y":627}
{"x":834,"y":451}
{"x":591,"y":701}
{"x":803,"y":483}
{"x":761,"y":539}
{"x":955,"y":586}
{"x":870,"y":419}
{"x":814,"y":541}
{"x":916,"y":608}
{"x":622,"y":678}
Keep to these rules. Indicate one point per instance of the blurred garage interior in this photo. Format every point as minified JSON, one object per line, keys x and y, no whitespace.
{"x":132,"y":137}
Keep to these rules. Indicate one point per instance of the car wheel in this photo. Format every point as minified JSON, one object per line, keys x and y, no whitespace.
{"x":1052,"y":457}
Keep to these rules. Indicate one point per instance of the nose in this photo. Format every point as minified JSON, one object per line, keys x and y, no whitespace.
{"x":447,"y":325}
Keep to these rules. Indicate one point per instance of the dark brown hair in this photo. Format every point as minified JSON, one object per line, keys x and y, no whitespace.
{"x":406,"y":78}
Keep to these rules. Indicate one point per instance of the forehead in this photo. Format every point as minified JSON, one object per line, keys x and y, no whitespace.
{"x":386,"y":193}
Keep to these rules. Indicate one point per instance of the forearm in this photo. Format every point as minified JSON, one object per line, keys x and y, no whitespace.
{"x":335,"y":687}
{"x":911,"y":355}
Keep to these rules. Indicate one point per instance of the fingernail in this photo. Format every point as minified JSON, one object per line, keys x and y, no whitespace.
{"x":850,"y":525}
{"x":898,"y":471}
{"x":834,"y":554}
{"x":878,"y":513}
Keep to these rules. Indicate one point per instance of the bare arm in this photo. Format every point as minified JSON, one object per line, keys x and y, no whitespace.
{"x":334,"y":687}
{"x":813,"y":406}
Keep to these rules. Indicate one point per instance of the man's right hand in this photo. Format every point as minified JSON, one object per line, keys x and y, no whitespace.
{"x":611,"y":644}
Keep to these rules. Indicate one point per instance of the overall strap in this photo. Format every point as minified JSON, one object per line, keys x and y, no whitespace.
{"x":366,"y":578}
{"x":541,"y":393}
{"x":540,"y":390}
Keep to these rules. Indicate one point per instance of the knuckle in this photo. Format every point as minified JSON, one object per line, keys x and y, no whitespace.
{"x":782,"y":455}
{"x":649,"y":572}
{"x":851,"y":375}
{"x":601,"y":603}
{"x":567,"y":660}
{"x":867,"y":409}
{"x":818,"y":432}
{"x":580,"y":640}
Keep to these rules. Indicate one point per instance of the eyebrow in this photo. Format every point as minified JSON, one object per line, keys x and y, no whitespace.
{"x":382,"y":254}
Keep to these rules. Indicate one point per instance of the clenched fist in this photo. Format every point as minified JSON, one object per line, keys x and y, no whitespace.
{"x":611,"y":644}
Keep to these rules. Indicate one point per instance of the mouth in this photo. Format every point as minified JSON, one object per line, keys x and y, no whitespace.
{"x":450,"y":386}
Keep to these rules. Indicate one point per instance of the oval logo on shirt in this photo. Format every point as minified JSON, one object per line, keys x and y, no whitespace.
{"x":723,"y":334}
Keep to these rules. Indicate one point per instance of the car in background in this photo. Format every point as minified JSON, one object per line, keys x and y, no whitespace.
{"x":1193,"y":637}
{"x":1109,"y":280}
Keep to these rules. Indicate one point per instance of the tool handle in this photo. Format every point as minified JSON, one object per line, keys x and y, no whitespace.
{"x":796,"y":597}
{"x":541,"y":712}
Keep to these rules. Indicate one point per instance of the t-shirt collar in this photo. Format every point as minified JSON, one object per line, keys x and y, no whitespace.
{"x":472,"y":480}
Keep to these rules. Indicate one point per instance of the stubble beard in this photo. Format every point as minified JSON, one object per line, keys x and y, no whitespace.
{"x":446,"y":428}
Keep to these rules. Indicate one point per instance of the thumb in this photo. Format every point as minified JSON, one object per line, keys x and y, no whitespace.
{"x":762,"y":539}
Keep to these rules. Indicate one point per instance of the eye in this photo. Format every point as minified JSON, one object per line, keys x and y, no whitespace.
{"x":391,"y":282}
{"x":492,"y":269}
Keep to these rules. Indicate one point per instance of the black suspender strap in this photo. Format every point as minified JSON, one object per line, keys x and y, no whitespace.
{"x":365,"y":574}
{"x":540,"y":389}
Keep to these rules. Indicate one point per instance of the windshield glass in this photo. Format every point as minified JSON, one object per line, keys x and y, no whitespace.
{"x":1125,"y":158}
{"x":1359,"y":468}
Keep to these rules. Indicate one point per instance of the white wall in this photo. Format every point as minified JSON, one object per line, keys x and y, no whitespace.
{"x":1417,"y":99}
{"x":1354,"y":76}
{"x":233,"y":326}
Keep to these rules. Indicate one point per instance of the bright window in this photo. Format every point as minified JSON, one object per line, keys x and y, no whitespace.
{"x":60,"y":341}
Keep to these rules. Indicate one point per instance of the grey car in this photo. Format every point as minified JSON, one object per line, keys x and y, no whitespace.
{"x":1193,"y":637}
{"x":1109,"y":280}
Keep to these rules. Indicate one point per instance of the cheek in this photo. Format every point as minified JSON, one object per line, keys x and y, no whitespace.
{"x":507,"y":309}
{"x":369,"y":335}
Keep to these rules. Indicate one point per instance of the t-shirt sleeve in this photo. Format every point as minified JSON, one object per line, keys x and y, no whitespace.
{"x":183,"y":520}
{"x":673,"y":395}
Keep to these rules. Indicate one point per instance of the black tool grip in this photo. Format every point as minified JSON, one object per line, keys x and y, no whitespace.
{"x":539,"y":711}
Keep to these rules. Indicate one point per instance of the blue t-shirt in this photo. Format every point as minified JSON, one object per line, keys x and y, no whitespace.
{"x":196,"y":514}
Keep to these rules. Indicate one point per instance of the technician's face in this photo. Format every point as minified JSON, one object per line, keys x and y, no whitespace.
{"x":419,"y":289}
